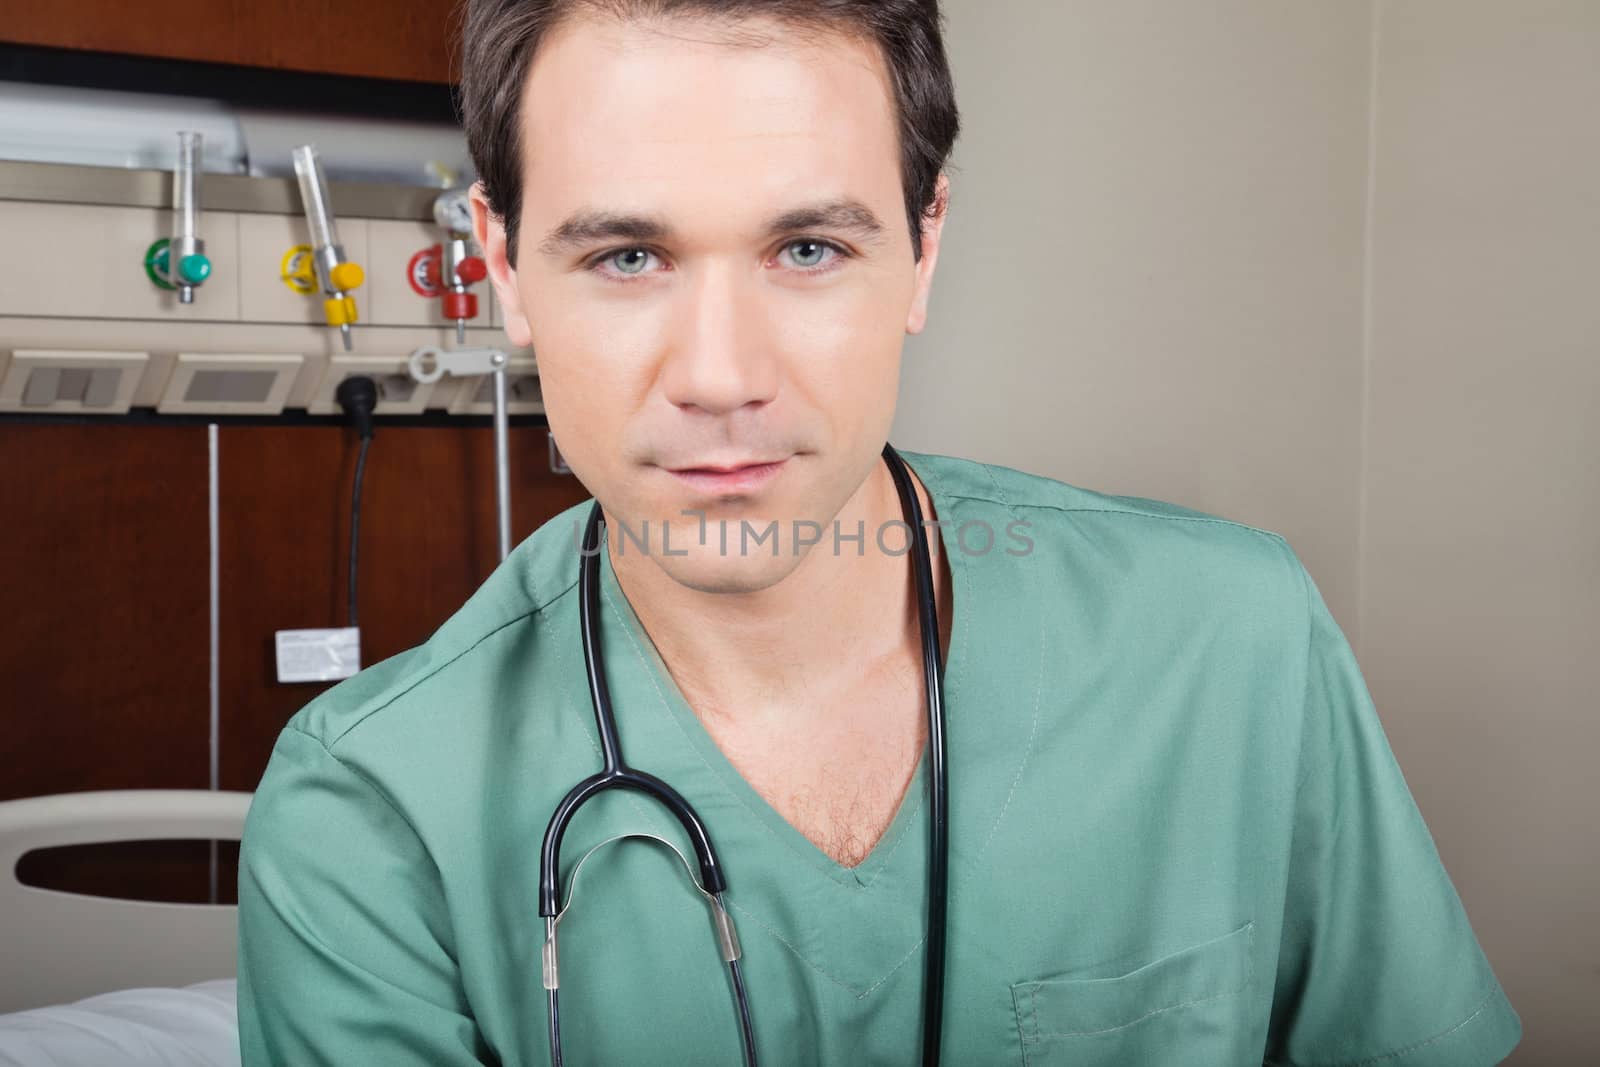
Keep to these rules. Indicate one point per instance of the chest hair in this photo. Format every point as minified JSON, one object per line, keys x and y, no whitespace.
{"x":836,"y":775}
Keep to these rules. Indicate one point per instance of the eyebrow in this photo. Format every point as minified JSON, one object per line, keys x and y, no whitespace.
{"x":584,"y":228}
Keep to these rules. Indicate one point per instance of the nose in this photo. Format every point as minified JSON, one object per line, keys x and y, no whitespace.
{"x":721,"y":350}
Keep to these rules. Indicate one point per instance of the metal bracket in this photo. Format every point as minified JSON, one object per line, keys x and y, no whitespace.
{"x":430,"y":363}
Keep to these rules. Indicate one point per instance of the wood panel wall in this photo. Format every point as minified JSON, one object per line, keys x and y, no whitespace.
{"x":412,"y":40}
{"x":104,"y":581}
{"x":104,"y":630}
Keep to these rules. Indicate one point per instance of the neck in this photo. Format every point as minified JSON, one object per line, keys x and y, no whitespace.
{"x":741,"y":659}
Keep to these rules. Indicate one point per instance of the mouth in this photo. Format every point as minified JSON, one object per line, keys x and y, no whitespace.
{"x":729,"y":478}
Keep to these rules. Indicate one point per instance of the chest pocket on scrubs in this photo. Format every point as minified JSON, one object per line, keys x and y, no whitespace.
{"x":1183,"y":1008}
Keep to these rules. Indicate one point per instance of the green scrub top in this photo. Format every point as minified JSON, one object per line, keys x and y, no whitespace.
{"x":1178,"y":834}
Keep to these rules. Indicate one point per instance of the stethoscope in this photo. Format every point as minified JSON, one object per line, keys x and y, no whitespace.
{"x":616,"y":774}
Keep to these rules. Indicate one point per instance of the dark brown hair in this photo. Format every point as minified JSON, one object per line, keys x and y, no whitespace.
{"x":500,"y":37}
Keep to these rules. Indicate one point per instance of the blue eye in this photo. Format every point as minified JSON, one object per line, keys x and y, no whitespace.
{"x":809,"y":254}
{"x":629,"y":260}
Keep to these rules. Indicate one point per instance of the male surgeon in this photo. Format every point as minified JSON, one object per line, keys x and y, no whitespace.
{"x":1177,"y":833}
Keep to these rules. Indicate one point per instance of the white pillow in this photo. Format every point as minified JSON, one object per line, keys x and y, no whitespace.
{"x":196,"y":1026}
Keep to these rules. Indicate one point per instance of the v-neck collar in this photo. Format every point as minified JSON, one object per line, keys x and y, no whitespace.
{"x":909,"y":813}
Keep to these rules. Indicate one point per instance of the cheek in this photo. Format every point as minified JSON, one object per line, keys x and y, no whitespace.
{"x":593,"y":353}
{"x":583,"y":388}
{"x":844,"y":346}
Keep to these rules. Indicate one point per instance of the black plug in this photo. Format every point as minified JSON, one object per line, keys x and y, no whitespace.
{"x":358,"y":395}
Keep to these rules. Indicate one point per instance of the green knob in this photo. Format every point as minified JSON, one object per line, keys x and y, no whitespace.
{"x":194,"y":269}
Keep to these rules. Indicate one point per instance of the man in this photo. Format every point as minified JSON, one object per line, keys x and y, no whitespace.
{"x":1177,"y":833}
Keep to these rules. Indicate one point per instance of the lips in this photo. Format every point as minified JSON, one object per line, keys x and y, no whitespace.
{"x":724,"y":468}
{"x":729,"y":477}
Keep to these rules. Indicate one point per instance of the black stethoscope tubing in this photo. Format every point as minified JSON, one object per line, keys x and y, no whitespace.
{"x":616,"y":774}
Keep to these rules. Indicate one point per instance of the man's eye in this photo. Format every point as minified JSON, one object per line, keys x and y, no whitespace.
{"x":810,"y":254}
{"x":629,"y":260}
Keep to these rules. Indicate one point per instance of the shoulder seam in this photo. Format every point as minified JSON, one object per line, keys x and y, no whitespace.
{"x":1001,"y":499}
{"x":370,"y":784}
{"x":988,"y":471}
{"x":377,"y":791}
{"x":1120,"y":511}
{"x":531,"y":612}
{"x":1305,"y":682}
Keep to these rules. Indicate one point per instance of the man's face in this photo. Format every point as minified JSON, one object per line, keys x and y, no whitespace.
{"x":714,"y":270}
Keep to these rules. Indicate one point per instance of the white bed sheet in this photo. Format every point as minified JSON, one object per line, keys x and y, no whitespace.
{"x":195,"y":1026}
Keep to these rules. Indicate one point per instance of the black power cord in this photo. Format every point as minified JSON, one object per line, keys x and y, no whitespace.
{"x":358,"y":395}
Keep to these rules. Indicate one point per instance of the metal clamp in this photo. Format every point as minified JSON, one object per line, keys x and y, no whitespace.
{"x":431,"y":363}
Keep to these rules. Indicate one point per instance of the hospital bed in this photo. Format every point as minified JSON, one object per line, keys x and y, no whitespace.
{"x":94,"y":980}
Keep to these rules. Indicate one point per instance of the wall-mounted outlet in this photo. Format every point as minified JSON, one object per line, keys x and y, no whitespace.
{"x":94,"y":383}
{"x":398,"y":392}
{"x":523,"y":395}
{"x":227,"y":384}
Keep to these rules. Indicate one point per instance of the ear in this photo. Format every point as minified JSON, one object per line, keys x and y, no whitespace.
{"x":490,"y":231}
{"x":932,"y":229}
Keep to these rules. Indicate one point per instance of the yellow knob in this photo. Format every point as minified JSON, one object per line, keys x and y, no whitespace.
{"x":339,"y":310}
{"x":347,"y":276}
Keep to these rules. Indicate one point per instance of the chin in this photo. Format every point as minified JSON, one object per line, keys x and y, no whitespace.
{"x":709,"y":571}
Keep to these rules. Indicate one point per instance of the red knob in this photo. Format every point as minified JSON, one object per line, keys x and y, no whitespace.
{"x":460,"y":305}
{"x":472,"y":270}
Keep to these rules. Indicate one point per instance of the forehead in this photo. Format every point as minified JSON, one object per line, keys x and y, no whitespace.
{"x":696,"y":113}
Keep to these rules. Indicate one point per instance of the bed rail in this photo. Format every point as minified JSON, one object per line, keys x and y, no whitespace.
{"x":60,"y":946}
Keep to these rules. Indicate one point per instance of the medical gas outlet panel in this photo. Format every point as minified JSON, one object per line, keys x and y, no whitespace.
{"x":223,"y":294}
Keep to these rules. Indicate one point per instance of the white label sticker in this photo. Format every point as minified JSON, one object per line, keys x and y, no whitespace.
{"x":318,"y":655}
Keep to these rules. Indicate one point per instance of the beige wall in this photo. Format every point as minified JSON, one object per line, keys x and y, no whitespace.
{"x":1153,"y":279}
{"x":1481,"y":554}
{"x":1331,"y":268}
